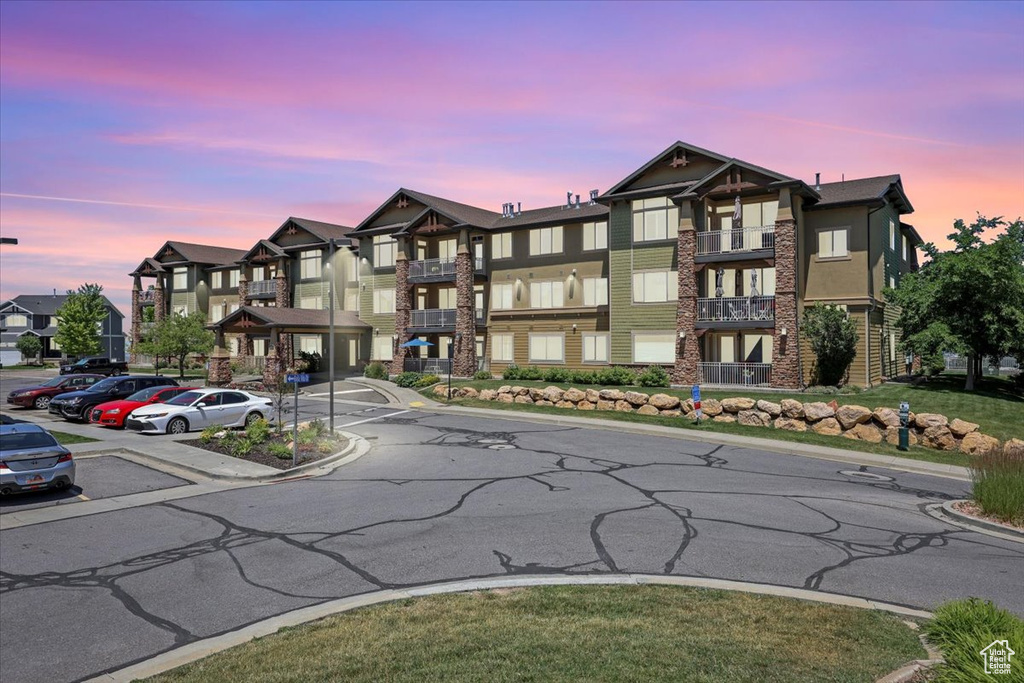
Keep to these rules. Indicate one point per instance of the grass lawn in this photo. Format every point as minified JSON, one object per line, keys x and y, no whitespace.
{"x":65,"y":439}
{"x":574,"y":633}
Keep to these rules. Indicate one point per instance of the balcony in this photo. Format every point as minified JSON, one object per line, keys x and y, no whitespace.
{"x":147,"y":297}
{"x":736,"y":245}
{"x":427,"y":366}
{"x":437,"y":319}
{"x":262,"y":289}
{"x":735,"y":374}
{"x":736,"y":312}
{"x":438,"y":269}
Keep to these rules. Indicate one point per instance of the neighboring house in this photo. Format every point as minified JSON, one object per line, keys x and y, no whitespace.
{"x":696,"y":261}
{"x":36,"y":314}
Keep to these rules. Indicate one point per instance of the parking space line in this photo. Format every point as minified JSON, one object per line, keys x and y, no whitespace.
{"x":84,"y":497}
{"x":347,"y":391}
{"x":371,"y":419}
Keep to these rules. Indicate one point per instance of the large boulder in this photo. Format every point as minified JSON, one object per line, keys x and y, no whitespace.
{"x":790,"y":424}
{"x":1014,"y":449}
{"x":687,"y":405}
{"x":441,"y":390}
{"x":519,"y":391}
{"x":976,"y":443}
{"x":523,"y":398}
{"x":553,"y":394}
{"x":487,"y":394}
{"x":624,"y":406}
{"x":671,"y":413}
{"x":637,"y":398}
{"x":724,"y":418}
{"x":938,"y":436}
{"x":593,"y":395}
{"x":574,"y":395}
{"x":584,"y":405}
{"x":792,"y":409}
{"x":887,"y":417}
{"x":735,"y":405}
{"x":504,"y":389}
{"x":754,"y":418}
{"x":818,"y":411}
{"x":926,"y":420}
{"x":468,"y":392}
{"x":773,"y":409}
{"x":566,"y":404}
{"x":828,"y":426}
{"x":647,"y":410}
{"x":612,"y":395}
{"x":865,"y":432}
{"x":536,"y":394}
{"x":605,"y":405}
{"x":851,"y":415}
{"x":506,"y":398}
{"x":710,"y":407}
{"x":961,"y":428}
{"x":664,"y":401}
{"x":892,"y":436}
{"x":543,"y":402}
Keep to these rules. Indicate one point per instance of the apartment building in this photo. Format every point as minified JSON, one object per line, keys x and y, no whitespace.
{"x":696,"y":261}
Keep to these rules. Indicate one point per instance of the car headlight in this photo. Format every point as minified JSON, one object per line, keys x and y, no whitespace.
{"x":152,"y":415}
{"x":115,"y":411}
{"x":75,"y":401}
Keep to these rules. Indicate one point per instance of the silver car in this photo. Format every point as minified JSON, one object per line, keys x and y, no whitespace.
{"x":201,"y":408}
{"x":31,"y":459}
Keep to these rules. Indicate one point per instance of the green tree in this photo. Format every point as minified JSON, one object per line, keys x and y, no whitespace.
{"x":30,"y":346}
{"x":79,"y":321}
{"x":833,"y":337}
{"x":969,"y":299}
{"x":177,"y":336}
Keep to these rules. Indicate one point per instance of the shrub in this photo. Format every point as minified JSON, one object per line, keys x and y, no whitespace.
{"x":407,"y":379}
{"x":999,"y":486}
{"x":583,"y":377}
{"x":511,"y":372}
{"x":617,"y":375}
{"x":318,"y":426}
{"x":531,"y":372}
{"x":30,"y":347}
{"x":833,"y":337}
{"x":482,"y":374}
{"x":427,"y":380}
{"x":242,"y":447}
{"x":326,"y":447}
{"x":557,"y":375}
{"x":962,"y":628}
{"x":654,"y":376}
{"x":376,"y":370}
{"x":210,"y":433}
{"x":279,"y":450}
{"x":258,"y":431}
{"x":313,"y":360}
{"x":307,"y":436}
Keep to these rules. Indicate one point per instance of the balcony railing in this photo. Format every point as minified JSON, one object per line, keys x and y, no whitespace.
{"x":438,"y":268}
{"x":736,"y":309}
{"x":427,"y":366}
{"x":147,"y":297}
{"x":438,"y":317}
{"x":262,"y":287}
{"x":737,"y":240}
{"x":745,"y":374}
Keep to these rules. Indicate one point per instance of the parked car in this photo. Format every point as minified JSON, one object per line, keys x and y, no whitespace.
{"x":199,"y":409}
{"x":31,"y":459}
{"x":39,"y":396}
{"x":97,"y":365}
{"x":77,"y":405}
{"x":114,"y":413}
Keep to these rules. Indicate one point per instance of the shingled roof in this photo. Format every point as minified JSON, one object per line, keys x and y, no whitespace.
{"x":862,"y":190}
{"x":325,"y":231}
{"x":48,"y":304}
{"x":206,"y":253}
{"x":464,"y":213}
{"x":311,"y":318}
{"x":550,"y":214}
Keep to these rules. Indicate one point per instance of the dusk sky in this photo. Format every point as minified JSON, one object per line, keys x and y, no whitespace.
{"x":127,"y":124}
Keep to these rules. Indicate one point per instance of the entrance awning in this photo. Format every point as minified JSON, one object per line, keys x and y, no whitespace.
{"x":263,"y":319}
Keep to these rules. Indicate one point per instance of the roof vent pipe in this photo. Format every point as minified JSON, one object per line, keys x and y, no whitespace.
{"x":817,"y":181}
{"x":593,"y":197}
{"x":519,"y":208}
{"x":577,"y":201}
{"x":568,"y":199}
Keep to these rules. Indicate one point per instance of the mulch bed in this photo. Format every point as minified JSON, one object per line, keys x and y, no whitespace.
{"x":261,"y":455}
{"x":971,"y":508}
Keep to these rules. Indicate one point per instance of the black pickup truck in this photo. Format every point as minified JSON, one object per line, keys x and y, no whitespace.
{"x":95,"y":365}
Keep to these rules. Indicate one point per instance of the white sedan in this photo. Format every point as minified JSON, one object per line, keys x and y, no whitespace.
{"x":199,"y":409}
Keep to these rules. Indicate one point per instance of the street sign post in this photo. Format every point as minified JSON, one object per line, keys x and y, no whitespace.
{"x":295,"y":380}
{"x":695,"y":393}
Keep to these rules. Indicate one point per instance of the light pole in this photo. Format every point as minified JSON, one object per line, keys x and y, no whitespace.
{"x":330,"y":339}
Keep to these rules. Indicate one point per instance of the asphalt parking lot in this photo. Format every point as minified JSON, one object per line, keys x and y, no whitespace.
{"x":96,"y":476}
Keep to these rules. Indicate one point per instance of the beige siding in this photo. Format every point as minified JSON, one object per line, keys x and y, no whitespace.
{"x":573,"y":339}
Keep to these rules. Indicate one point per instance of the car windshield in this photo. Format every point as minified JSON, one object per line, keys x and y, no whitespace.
{"x":145,"y":394}
{"x":185,"y":399}
{"x":55,"y":382}
{"x":103,"y":385}
{"x":17,"y":441}
{"x":82,"y":362}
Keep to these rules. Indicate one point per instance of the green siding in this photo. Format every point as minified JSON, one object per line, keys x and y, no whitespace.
{"x":385,"y":323}
{"x":309,"y":289}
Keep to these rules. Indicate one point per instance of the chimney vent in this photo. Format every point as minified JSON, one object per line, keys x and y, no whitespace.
{"x":568,"y":199}
{"x":519,"y":208}
{"x":593,"y":197}
{"x":577,"y":201}
{"x":817,"y":181}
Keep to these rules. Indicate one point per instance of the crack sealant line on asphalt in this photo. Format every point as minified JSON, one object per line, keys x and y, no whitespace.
{"x":208,"y":646}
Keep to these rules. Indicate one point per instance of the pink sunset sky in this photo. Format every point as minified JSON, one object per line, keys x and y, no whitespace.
{"x":124,"y":125}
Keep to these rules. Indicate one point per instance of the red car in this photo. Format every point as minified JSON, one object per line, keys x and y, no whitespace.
{"x":39,"y":396}
{"x":113,"y":413}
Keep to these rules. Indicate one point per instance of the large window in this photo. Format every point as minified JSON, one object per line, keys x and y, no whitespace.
{"x":595,"y":236}
{"x":501,"y":245}
{"x":180,"y":279}
{"x":832,"y":243}
{"x":595,"y":291}
{"x":547,"y":348}
{"x":595,"y":347}
{"x":892,"y":234}
{"x":385,"y":250}
{"x":217,"y":279}
{"x":16,"y":320}
{"x":655,"y":285}
{"x":546,"y":241}
{"x":310,"y":343}
{"x":382,"y":349}
{"x":233,"y":278}
{"x":503,"y":348}
{"x":547,"y":294}
{"x":447,"y":297}
{"x":384,"y":301}
{"x":217,"y":311}
{"x":501,"y":296}
{"x":906,"y":248}
{"x":654,"y":219}
{"x":654,"y":347}
{"x":313,"y":302}
{"x":310,"y":264}
{"x":447,"y":249}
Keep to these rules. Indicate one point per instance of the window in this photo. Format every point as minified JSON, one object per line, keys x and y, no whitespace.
{"x":217,"y":279}
{"x":892,"y":234}
{"x":447,"y":297}
{"x":595,"y":348}
{"x":832,"y":243}
{"x":892,"y":346}
{"x":503,"y":348}
{"x":314,"y":302}
{"x":595,"y":291}
{"x":310,"y":343}
{"x":382,"y":348}
{"x":309,"y":264}
{"x":501,"y":296}
{"x":654,"y":219}
{"x":447,"y":249}
{"x":180,"y":278}
{"x":16,"y":320}
{"x":230,"y":397}
{"x":892,"y":282}
{"x":547,"y":348}
{"x":546,"y":241}
{"x":385,"y":250}
{"x":232,"y":308}
{"x":233,"y":278}
{"x":654,"y":347}
{"x":655,"y":286}
{"x":547,"y":294}
{"x":259,"y":347}
{"x":383,"y":301}
{"x":217,"y":311}
{"x":258,"y":273}
{"x":906,"y":248}
{"x":595,"y":236}
{"x":758,"y":214}
{"x":501,"y":245}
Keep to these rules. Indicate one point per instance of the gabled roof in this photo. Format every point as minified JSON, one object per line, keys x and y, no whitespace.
{"x":863,"y":191}
{"x":47,"y":304}
{"x":704,"y":182}
{"x":456,"y":211}
{"x":912,"y":231}
{"x":204,"y":253}
{"x":274,"y":316}
{"x":319,"y":229}
{"x":148,"y":265}
{"x":671,"y":149}
{"x":261,"y":247}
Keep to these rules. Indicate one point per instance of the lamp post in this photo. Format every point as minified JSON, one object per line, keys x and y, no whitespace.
{"x":330,"y":336}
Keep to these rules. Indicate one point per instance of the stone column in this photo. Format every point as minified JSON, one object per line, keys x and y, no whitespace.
{"x":465,"y":317}
{"x":403,"y":305}
{"x":136,"y":318}
{"x":785,"y":347}
{"x":159,"y":305}
{"x":687,"y":345}
{"x":220,"y":363}
{"x":272,"y":363}
{"x":244,"y":343}
{"x":282,"y":299}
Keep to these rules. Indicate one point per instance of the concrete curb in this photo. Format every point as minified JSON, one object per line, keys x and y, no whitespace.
{"x":965,"y":519}
{"x":208,"y":646}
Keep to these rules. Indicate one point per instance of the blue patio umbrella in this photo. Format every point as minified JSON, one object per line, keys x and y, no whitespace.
{"x":416,"y":342}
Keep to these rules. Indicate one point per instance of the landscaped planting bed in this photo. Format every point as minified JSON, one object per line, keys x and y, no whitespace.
{"x":259,"y":443}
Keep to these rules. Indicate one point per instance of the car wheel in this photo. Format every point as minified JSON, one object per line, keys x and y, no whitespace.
{"x":116,"y":373}
{"x":251,"y":418}
{"x":42,"y":403}
{"x":178,"y":425}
